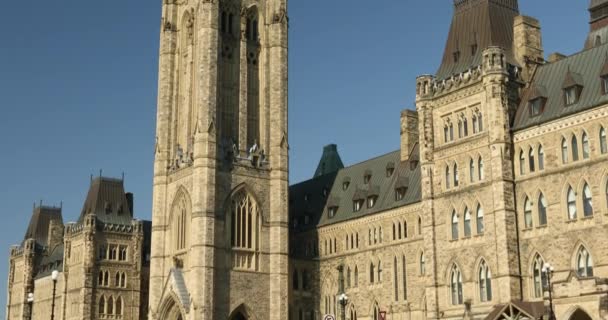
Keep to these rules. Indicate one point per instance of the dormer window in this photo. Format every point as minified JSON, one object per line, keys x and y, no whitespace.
{"x":307,"y":197}
{"x":331,"y":211}
{"x":371,"y":201}
{"x":390,"y":169}
{"x":325,"y":192}
{"x":456,"y":56}
{"x":400,"y":193}
{"x":357,"y":205}
{"x":345,"y":185}
{"x":536,"y":106}
{"x":571,"y":95}
{"x":367,"y":177}
{"x":605,"y":84}
{"x":474,"y":49}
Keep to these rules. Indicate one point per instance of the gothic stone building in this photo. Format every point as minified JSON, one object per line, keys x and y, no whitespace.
{"x":502,"y":170}
{"x":102,"y":261}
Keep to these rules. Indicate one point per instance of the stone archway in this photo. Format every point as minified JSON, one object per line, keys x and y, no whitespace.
{"x":171,"y":311}
{"x":580,"y":315}
{"x":238,"y":316}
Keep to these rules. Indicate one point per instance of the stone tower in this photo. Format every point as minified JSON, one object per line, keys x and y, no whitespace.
{"x":220,"y":215}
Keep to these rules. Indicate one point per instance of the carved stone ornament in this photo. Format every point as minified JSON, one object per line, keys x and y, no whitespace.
{"x":190,"y":25}
{"x":280,"y":16}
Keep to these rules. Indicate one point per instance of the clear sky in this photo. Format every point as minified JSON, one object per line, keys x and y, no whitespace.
{"x":78,"y":89}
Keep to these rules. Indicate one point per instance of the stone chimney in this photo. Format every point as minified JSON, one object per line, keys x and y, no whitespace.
{"x":527,"y":44}
{"x":409,"y":133}
{"x":55,"y":234}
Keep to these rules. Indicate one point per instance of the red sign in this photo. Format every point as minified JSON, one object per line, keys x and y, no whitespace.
{"x":382,"y":315}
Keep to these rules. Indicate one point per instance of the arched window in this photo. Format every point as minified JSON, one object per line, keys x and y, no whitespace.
{"x":179,"y":222}
{"x":574,"y":148}
{"x":542,"y":210}
{"x":531,"y":160}
{"x":446,"y":136}
{"x":587,"y":201}
{"x":465,"y":124}
{"x":480,"y":169}
{"x":447,"y":177}
{"x":376,"y":312}
{"x":100,"y":279}
{"x":101,"y":307}
{"x":253,"y":79}
{"x":348,"y":278}
{"x":603,"y":144}
{"x":295,"y":281}
{"x":422,"y":264}
{"x":522,"y":162}
{"x":106,"y":278}
{"x":480,"y":122}
{"x":117,"y":279}
{"x":110,"y":307}
{"x":399,"y":230}
{"x":460,"y":129}
{"x":379,"y":272}
{"x":485,"y":282}
{"x":419,"y":225}
{"x":480,"y":225}
{"x":372,"y":273}
{"x":353,"y":313}
{"x":118,"y":308}
{"x":541,"y":158}
{"x":451,"y":132}
{"x":528,"y":213}
{"x":571,"y":203}
{"x":472,"y":171}
{"x":123,"y":280}
{"x":585,"y":141}
{"x":564,"y":151}
{"x":245,"y":225}
{"x":454,"y":225}
{"x":394,"y":232}
{"x":584,"y":263}
{"x":396,"y":279}
{"x":474,"y":124}
{"x":404,"y":229}
{"x":404,"y":274}
{"x":456,"y":285}
{"x":304,"y":283}
{"x":356,"y":277}
{"x":456,"y":180}
{"x":539,"y":276}
{"x":467,"y":222}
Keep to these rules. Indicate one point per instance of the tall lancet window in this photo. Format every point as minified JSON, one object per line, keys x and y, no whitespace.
{"x":253,"y":77}
{"x":229,"y":76}
{"x":179,"y":222}
{"x":245,"y":228}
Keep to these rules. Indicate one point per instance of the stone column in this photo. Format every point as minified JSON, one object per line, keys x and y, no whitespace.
{"x":277,"y":48}
{"x":200,"y":280}
{"x":168,"y":47}
{"x":497,"y":122}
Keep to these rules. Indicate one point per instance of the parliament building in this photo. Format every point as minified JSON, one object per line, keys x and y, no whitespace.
{"x":494,"y":207}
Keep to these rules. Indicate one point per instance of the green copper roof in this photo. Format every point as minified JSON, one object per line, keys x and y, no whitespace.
{"x":330,"y":161}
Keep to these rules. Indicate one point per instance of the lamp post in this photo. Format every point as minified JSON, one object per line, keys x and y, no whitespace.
{"x":30,"y":304}
{"x":548,"y":270}
{"x":54,"y":276}
{"x":342,"y":298}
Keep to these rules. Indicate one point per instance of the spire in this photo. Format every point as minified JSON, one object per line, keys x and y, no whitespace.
{"x":330,"y":161}
{"x":477,"y":25}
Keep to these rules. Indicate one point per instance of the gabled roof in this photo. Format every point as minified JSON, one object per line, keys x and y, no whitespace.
{"x":517,"y":309}
{"x":307,"y":198}
{"x":38,"y":228}
{"x":107,"y":199}
{"x":479,"y":23}
{"x":584,"y":69}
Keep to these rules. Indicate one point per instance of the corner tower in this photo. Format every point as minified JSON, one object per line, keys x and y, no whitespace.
{"x":220,"y":216}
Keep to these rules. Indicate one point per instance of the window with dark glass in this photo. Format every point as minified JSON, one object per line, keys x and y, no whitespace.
{"x":571,"y":95}
{"x":536,"y":106}
{"x":400,"y":193}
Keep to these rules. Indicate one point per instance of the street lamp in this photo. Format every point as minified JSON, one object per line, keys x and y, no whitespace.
{"x":30,"y":303}
{"x":548,"y":270}
{"x":343,"y":299}
{"x":54,"y":276}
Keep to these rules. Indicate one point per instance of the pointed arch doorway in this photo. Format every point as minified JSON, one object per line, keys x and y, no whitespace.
{"x":238,"y":316}
{"x":171,"y":311}
{"x":580,"y":315}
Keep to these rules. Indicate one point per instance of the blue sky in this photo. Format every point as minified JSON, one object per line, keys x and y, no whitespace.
{"x":78,"y":89}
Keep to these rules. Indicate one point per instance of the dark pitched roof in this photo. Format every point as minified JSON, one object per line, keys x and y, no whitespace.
{"x":307,"y":197}
{"x":478,"y":23}
{"x":52,"y":260}
{"x":39,"y":223}
{"x":108,"y":200}
{"x":330,"y":161}
{"x":584,"y":68}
